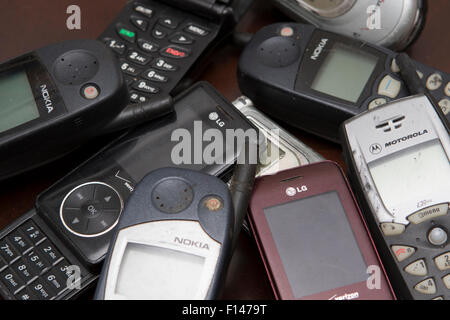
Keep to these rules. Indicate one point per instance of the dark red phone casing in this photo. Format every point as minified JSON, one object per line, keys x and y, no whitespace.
{"x":320,"y":178}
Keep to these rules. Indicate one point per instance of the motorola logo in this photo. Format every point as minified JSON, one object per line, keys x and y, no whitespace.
{"x":375,"y":148}
{"x":291,"y":191}
{"x":213,"y":116}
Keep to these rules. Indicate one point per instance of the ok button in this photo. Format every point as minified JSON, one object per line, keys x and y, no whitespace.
{"x":92,"y":209}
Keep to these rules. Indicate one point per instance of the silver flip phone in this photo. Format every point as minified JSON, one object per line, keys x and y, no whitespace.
{"x":282,"y":150}
{"x":392,"y":24}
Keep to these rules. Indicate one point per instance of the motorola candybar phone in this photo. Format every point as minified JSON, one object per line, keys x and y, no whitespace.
{"x":159,"y":42}
{"x":77,"y":215}
{"x":173,"y":240}
{"x":282,"y":150}
{"x":312,"y":238}
{"x":392,"y":24}
{"x":398,"y":157}
{"x":55,"y":98}
{"x":315,"y":80}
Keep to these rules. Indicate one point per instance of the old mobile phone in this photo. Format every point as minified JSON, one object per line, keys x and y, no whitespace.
{"x":312,"y":238}
{"x":392,"y":24}
{"x":78,"y":214}
{"x":160,"y":42}
{"x":282,"y":150}
{"x":54,"y":98}
{"x":315,"y":80}
{"x":172,"y":241}
{"x":399,"y":162}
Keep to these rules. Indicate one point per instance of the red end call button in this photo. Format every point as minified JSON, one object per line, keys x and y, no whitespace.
{"x":175,"y":52}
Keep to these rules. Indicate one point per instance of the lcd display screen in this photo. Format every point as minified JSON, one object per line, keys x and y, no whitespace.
{"x":413,"y":174}
{"x":316,"y":244}
{"x":17,"y":104}
{"x":344,"y":72}
{"x":149,"y":273}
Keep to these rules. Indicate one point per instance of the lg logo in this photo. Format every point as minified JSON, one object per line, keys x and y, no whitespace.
{"x":291,"y":191}
{"x":214,"y":116}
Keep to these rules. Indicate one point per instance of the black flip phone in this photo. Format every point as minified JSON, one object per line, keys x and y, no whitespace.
{"x":73,"y":220}
{"x":159,"y":42}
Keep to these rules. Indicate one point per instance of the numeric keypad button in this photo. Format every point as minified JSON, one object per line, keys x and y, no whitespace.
{"x":3,"y":264}
{"x":37,"y":262}
{"x":115,"y":45}
{"x":145,"y":87}
{"x":443,"y":261}
{"x":7,"y":251}
{"x":55,"y":280}
{"x":427,"y":286}
{"x":163,"y":65}
{"x":48,"y":250}
{"x":417,"y":268}
{"x":138,"y":58}
{"x":446,"y":280}
{"x":129,"y":69}
{"x":137,"y":98}
{"x":11,"y":280}
{"x":32,"y":232}
{"x":25,"y":295}
{"x":41,"y":289}
{"x":19,"y":241}
{"x":153,"y":75}
{"x":23,"y":270}
{"x":434,"y":81}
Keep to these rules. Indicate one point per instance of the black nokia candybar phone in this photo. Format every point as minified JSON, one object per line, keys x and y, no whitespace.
{"x":55,"y":98}
{"x":159,"y":42}
{"x":315,"y":80}
{"x":75,"y":217}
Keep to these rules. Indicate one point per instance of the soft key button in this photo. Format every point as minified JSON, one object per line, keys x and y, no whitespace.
{"x":429,"y":213}
{"x":417,"y":268}
{"x":389,"y":87}
{"x":392,"y":229}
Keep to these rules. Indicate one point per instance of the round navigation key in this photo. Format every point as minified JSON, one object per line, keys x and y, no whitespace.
{"x":437,"y":236}
{"x":91,"y":209}
{"x":278,"y":52}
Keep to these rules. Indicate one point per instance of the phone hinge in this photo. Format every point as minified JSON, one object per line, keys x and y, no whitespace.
{"x":211,"y":9}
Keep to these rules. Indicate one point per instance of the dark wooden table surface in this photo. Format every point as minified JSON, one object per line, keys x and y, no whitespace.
{"x":27,"y":25}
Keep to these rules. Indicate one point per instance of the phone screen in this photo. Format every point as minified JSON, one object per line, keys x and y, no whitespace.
{"x":17,"y":103}
{"x":316,"y":244}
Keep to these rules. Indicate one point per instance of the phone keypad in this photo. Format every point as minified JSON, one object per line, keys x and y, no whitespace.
{"x":31,"y":267}
{"x":427,"y":286}
{"x":145,"y":39}
{"x":443,"y":261}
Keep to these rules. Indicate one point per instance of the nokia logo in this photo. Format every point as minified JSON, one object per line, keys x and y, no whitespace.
{"x":214,"y":116}
{"x":46,"y":96}
{"x":406,"y":138}
{"x":319,"y":49}
{"x":291,"y":191}
{"x":191,"y":243}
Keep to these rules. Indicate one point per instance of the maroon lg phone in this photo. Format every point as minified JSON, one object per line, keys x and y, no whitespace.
{"x":312,"y":238}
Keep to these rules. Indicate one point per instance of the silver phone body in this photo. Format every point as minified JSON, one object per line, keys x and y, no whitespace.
{"x":392,"y":24}
{"x":402,"y":156}
{"x":282,"y":150}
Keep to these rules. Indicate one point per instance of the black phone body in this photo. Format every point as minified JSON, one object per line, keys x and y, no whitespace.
{"x":54,"y":99}
{"x":315,"y":80}
{"x":182,"y":232}
{"x":83,"y":208}
{"x":160,"y":43}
